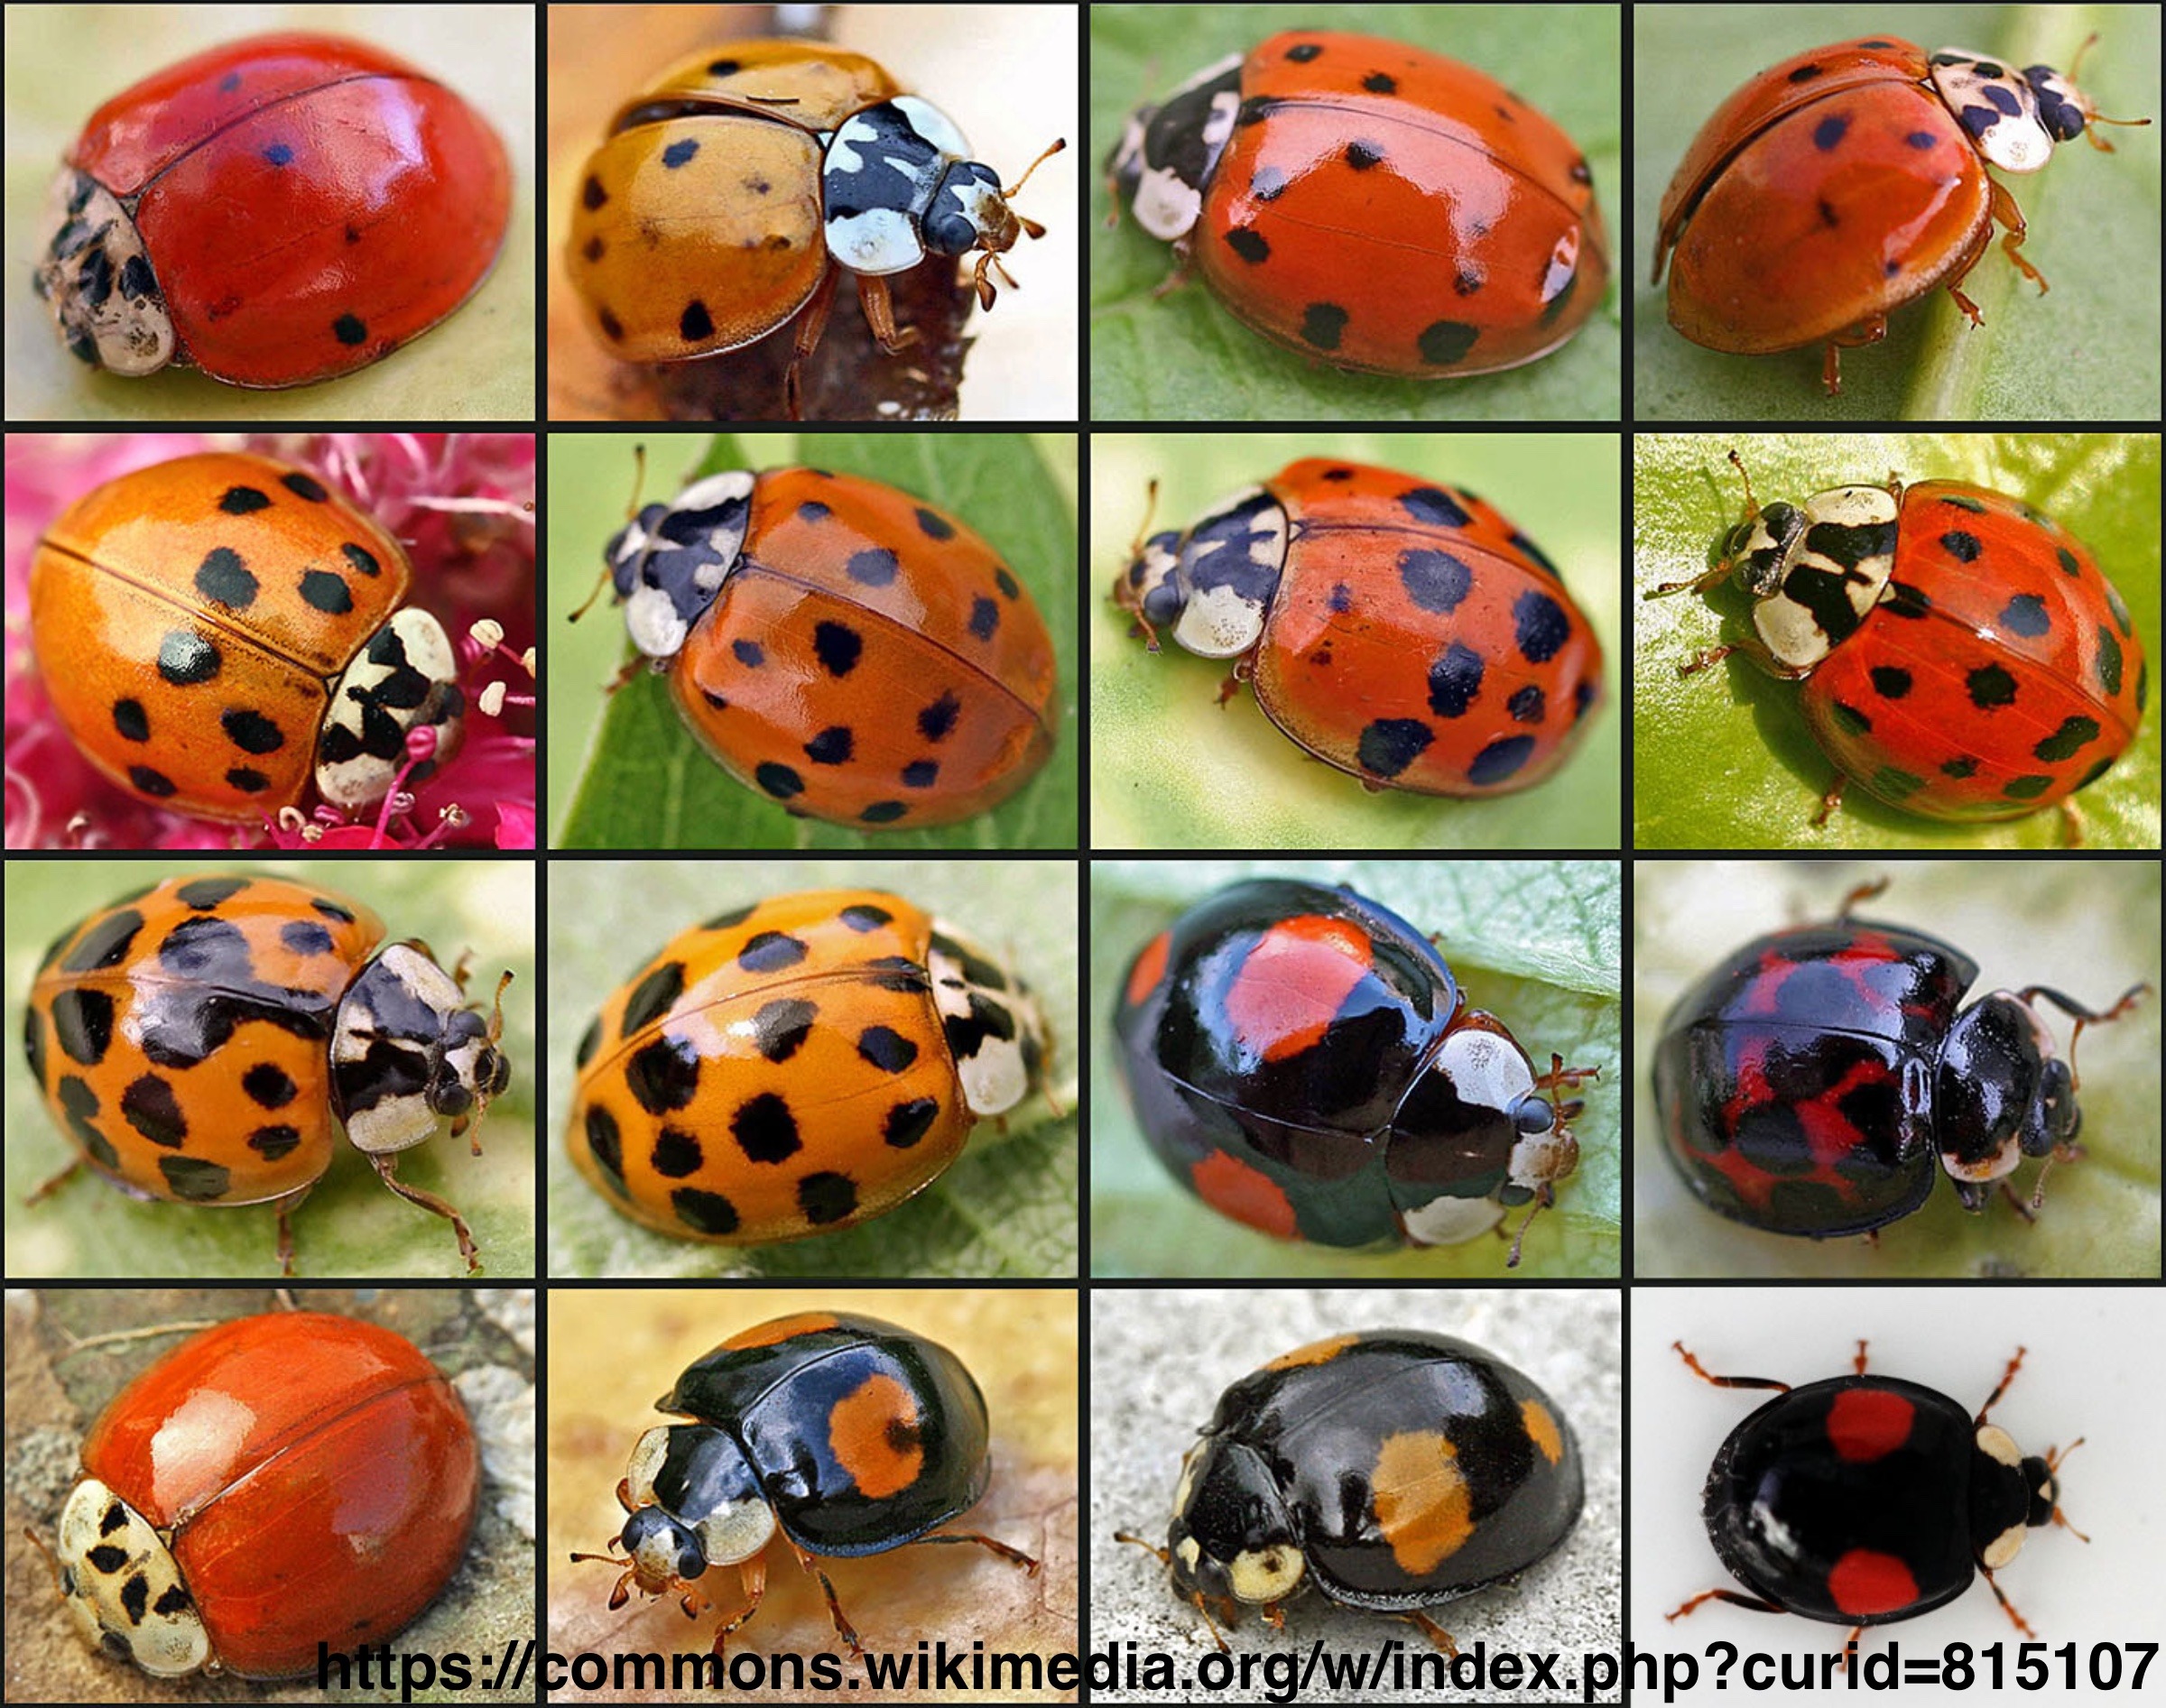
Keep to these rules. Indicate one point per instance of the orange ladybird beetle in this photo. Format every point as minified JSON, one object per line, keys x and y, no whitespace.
{"x":1843,"y":183}
{"x":271,"y":1485}
{"x":732,"y":194}
{"x":223,"y":634}
{"x":842,"y":647}
{"x":1377,"y":207}
{"x":199,"y":1042}
{"x":798,"y":1065}
{"x":276,"y":211}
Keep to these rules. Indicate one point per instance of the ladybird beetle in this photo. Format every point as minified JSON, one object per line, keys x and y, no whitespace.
{"x":1843,"y":183}
{"x":1393,"y":1469}
{"x":1302,"y":1060}
{"x":797,"y":1067}
{"x":1963,"y":655}
{"x":732,"y":194}
{"x":197,"y":1040}
{"x":1377,"y":207}
{"x":271,"y":1484}
{"x":276,"y":211}
{"x":221,"y":633}
{"x":1400,"y":631}
{"x":1865,"y":1500}
{"x":849,"y":1435}
{"x":844,"y":649}
{"x":1809,"y":1083}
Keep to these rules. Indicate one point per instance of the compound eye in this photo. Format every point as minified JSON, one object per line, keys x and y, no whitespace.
{"x":1533,"y":1116}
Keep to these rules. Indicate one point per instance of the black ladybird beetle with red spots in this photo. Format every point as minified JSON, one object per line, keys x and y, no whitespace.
{"x":849,"y":1435}
{"x":1393,"y":1469}
{"x":1302,"y":1059}
{"x":1809,"y":1083}
{"x":1865,"y":1500}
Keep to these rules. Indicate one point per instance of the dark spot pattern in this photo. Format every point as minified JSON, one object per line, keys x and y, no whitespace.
{"x":1323,"y":325}
{"x":1990,"y":687}
{"x":827,"y":1198}
{"x":150,"y":1108}
{"x":764,"y":1129}
{"x":778,"y":780}
{"x":1454,"y":680}
{"x":680,"y":154}
{"x":676,"y":1154}
{"x":2108,"y":664}
{"x":1390,"y":745}
{"x":696,"y":323}
{"x":771,"y":952}
{"x":2071,"y":738}
{"x":2025,"y":615}
{"x":875,"y":566}
{"x":1501,"y":758}
{"x":652,"y":998}
{"x":1960,"y":545}
{"x":1249,"y":244}
{"x":275,"y":1143}
{"x":936,"y":722}
{"x":106,"y":943}
{"x":883,"y":812}
{"x":1890,"y":681}
{"x":906,"y":1123}
{"x":887,"y":1050}
{"x":1444,"y":344}
{"x":751,"y":654}
{"x":350,"y":329}
{"x":82,"y":1024}
{"x":837,"y":647}
{"x":224,"y":579}
{"x":304,"y":938}
{"x":151,"y":782}
{"x":194,"y":1180}
{"x":831,"y":746}
{"x":662,"y":1077}
{"x":251,"y":730}
{"x":1831,"y":131}
{"x":269,"y":1086}
{"x":590,"y":1040}
{"x":1435,"y":580}
{"x":185,"y":659}
{"x":1540,"y":626}
{"x":708,"y":1213}
{"x":781,"y":1028}
{"x":326,"y":592}
{"x":1528,"y":704}
{"x":605,"y":1142}
{"x":131,"y":720}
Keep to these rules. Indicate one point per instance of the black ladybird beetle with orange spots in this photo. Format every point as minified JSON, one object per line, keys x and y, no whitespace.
{"x":1393,"y":1469}
{"x":1865,"y":1500}
{"x":849,"y":1435}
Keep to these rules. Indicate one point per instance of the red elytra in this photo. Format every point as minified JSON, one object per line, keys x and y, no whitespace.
{"x":306,"y":204}
{"x":314,"y":1475}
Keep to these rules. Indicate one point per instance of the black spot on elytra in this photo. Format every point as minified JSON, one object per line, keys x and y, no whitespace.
{"x":1990,"y":687}
{"x":662,"y":1075}
{"x":1390,"y":745}
{"x":269,"y":1086}
{"x":2071,"y":738}
{"x":244,"y":500}
{"x":652,"y":998}
{"x":305,"y":937}
{"x":764,"y":1129}
{"x":676,"y":1153}
{"x":832,"y":746}
{"x":696,"y":323}
{"x":771,"y":952}
{"x":1454,"y":680}
{"x":606,"y":1142}
{"x":875,"y":566}
{"x":1501,"y":758}
{"x":936,"y":722}
{"x":1831,"y":131}
{"x":778,"y":780}
{"x":350,"y":329}
{"x":704,"y":1212}
{"x":781,"y":1028}
{"x":837,"y":647}
{"x":827,"y":1198}
{"x":1540,"y":626}
{"x":883,"y":1047}
{"x":1890,"y":681}
{"x":153,"y":782}
{"x":251,"y":730}
{"x":1445,"y":343}
{"x":1249,"y":244}
{"x":1323,"y":324}
{"x":131,"y":720}
{"x":184,"y":659}
{"x":883,"y":812}
{"x":150,"y":1108}
{"x":679,"y":153}
{"x":362,"y":560}
{"x":1434,"y":580}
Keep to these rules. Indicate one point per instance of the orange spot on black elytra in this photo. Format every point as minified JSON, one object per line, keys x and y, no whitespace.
{"x":1321,"y":1352}
{"x":1293,"y":982}
{"x":1424,"y":1509}
{"x":1542,"y":1429}
{"x":1235,"y":1188}
{"x":782,"y":1329}
{"x":1149,"y":968}
{"x":874,"y":1431}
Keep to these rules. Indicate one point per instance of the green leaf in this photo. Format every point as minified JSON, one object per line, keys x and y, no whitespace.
{"x":1174,"y":767}
{"x":1723,"y":759}
{"x":351,"y":1224}
{"x":2087,"y":351}
{"x":1536,"y":943}
{"x":1183,"y":356}
{"x":2091,"y":931}
{"x":643,"y":782}
{"x":1005,"y":1207}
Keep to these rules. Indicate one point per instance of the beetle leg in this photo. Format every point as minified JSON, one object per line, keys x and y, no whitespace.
{"x":1699,"y":584}
{"x":1863,"y":892}
{"x":1435,"y":1632}
{"x":811,"y":323}
{"x":2083,"y":1016}
{"x":1993,"y":1399}
{"x":843,"y":1627}
{"x":1752,"y":1602}
{"x":1699,"y":1370}
{"x":2007,"y":1606}
{"x":1231,"y":687}
{"x":387,"y":1167}
{"x":752,"y":1574}
{"x":40,"y":1193}
{"x":1014,"y":1556}
{"x":2006,"y":213}
{"x":873,"y":298}
{"x":1828,"y":803}
{"x":1164,"y":1558}
{"x":286,"y":1207}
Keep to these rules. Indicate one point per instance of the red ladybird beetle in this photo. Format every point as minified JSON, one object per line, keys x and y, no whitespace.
{"x":850,"y":1435}
{"x":1866,"y":1499}
{"x":198,"y":1041}
{"x":1962,"y":654}
{"x":1302,"y":1059}
{"x":277,"y":211}
{"x":1843,"y":183}
{"x":842,"y":647}
{"x":732,"y":193}
{"x":222,"y":634}
{"x":1817,"y":1081}
{"x":272,"y":1484}
{"x":1403,"y":632}
{"x":1383,"y":208}
{"x":798,"y":1065}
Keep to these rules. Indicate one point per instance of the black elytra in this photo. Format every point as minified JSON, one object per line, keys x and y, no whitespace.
{"x":1868,"y":1499}
{"x":1392,"y":1469}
